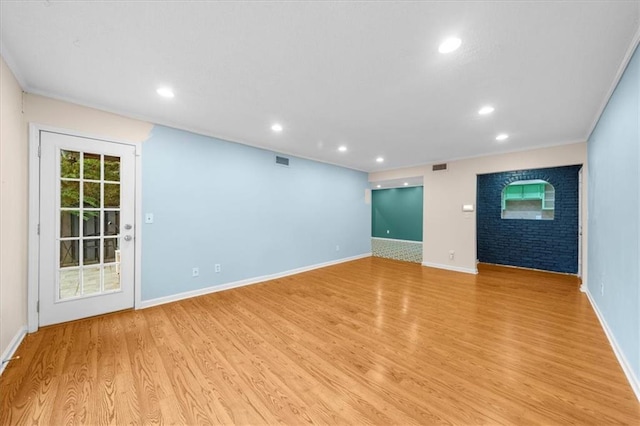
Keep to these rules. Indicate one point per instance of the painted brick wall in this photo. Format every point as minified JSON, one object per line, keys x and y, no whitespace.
{"x":551,"y":245}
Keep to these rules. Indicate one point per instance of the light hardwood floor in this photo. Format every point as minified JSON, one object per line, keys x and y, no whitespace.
{"x":370,"y":341}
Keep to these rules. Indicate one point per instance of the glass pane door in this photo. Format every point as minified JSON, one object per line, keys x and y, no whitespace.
{"x":89,"y":225}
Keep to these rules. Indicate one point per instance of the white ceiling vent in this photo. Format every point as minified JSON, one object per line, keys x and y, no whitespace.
{"x":439,"y":167}
{"x":282,"y":161}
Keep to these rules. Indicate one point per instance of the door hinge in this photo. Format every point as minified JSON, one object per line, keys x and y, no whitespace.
{"x":38,"y":229}
{"x":39,"y":150}
{"x":38,"y":306}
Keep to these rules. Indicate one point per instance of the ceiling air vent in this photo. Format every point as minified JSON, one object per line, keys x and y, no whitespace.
{"x":438,"y":167}
{"x":283,"y":161}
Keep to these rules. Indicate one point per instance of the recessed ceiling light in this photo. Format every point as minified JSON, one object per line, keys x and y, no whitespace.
{"x":449,"y":45}
{"x":406,"y":184}
{"x":502,"y":137}
{"x":487,"y":109}
{"x":378,"y":186}
{"x":342,"y":148}
{"x":165,"y":92}
{"x":379,"y":159}
{"x":277,"y":127}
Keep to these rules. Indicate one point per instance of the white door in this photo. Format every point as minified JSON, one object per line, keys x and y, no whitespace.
{"x":87,"y":191}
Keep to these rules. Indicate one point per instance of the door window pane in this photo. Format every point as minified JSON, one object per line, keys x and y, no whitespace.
{"x":69,"y":164}
{"x":69,"y":284}
{"x":112,"y":195}
{"x":91,"y":224}
{"x":91,"y":166}
{"x":91,"y":251}
{"x":69,"y":193}
{"x":112,"y":168}
{"x":111,"y":223}
{"x":91,"y":280}
{"x":111,"y":278}
{"x":69,"y":223}
{"x":69,"y":253}
{"x":91,"y":196}
{"x":110,"y":249}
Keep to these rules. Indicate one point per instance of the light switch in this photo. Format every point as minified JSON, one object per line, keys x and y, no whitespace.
{"x":467,"y":207}
{"x":148,"y":218}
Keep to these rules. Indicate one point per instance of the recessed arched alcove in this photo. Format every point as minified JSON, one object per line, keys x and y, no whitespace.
{"x":532,"y":199}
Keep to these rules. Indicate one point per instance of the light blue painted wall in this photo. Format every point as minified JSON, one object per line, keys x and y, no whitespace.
{"x":614,"y":218}
{"x":221,"y":202}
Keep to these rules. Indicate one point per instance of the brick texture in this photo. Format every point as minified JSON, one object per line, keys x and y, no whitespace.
{"x":550,"y":245}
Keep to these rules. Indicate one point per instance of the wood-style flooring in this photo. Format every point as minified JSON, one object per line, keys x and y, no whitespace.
{"x":373,"y":341}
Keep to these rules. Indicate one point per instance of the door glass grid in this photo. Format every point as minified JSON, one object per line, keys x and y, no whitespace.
{"x":89,"y":217}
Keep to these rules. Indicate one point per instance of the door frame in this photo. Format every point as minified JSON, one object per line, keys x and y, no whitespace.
{"x":33,"y":279}
{"x":580,"y":219}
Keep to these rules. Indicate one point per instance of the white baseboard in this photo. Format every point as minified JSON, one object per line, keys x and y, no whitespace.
{"x":242,"y":283}
{"x":626,"y":367}
{"x":473,"y":271}
{"x":13,"y":347}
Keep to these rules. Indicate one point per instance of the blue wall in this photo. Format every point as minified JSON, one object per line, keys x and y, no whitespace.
{"x":397,"y":213}
{"x":551,"y":245}
{"x":614,"y":231}
{"x":221,"y":202}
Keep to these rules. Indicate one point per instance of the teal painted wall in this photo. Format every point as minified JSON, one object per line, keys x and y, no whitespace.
{"x":219,"y":202}
{"x":614,"y":215}
{"x":399,"y":211}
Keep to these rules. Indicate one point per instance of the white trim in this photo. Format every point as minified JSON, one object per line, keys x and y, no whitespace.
{"x":473,"y":271}
{"x":242,"y":283}
{"x":621,"y":69}
{"x":626,"y":367}
{"x":14,"y":344}
{"x":34,"y":213}
{"x":33,"y":237}
{"x":137,"y":272}
{"x":11,"y":63}
{"x":400,"y":241}
{"x":471,"y":157}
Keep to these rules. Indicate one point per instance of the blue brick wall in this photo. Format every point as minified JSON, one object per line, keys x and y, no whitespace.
{"x":551,"y":245}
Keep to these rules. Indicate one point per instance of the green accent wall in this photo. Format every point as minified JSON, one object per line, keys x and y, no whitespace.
{"x":398,"y":211}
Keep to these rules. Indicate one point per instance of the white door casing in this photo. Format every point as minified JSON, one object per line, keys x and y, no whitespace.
{"x":580,"y":219}
{"x":86,"y":257}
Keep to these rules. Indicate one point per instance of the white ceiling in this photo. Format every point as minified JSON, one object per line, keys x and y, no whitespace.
{"x":364,"y":74}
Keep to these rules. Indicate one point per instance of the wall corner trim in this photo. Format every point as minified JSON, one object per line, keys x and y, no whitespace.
{"x":473,"y":271}
{"x":256,"y":280}
{"x":626,"y":367}
{"x":14,"y":344}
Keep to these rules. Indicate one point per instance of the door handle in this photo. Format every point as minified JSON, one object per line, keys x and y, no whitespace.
{"x":128,"y":226}
{"x":128,"y":238}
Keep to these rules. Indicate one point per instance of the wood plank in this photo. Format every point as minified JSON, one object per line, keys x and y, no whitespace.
{"x":374,"y":341}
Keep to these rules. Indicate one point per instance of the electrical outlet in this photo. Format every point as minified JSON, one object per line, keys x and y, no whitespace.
{"x":451,"y":254}
{"x":337,"y":248}
{"x":218,"y":268}
{"x":195,"y":272}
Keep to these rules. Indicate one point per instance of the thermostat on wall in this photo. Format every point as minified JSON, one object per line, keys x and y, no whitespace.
{"x":467,"y":207}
